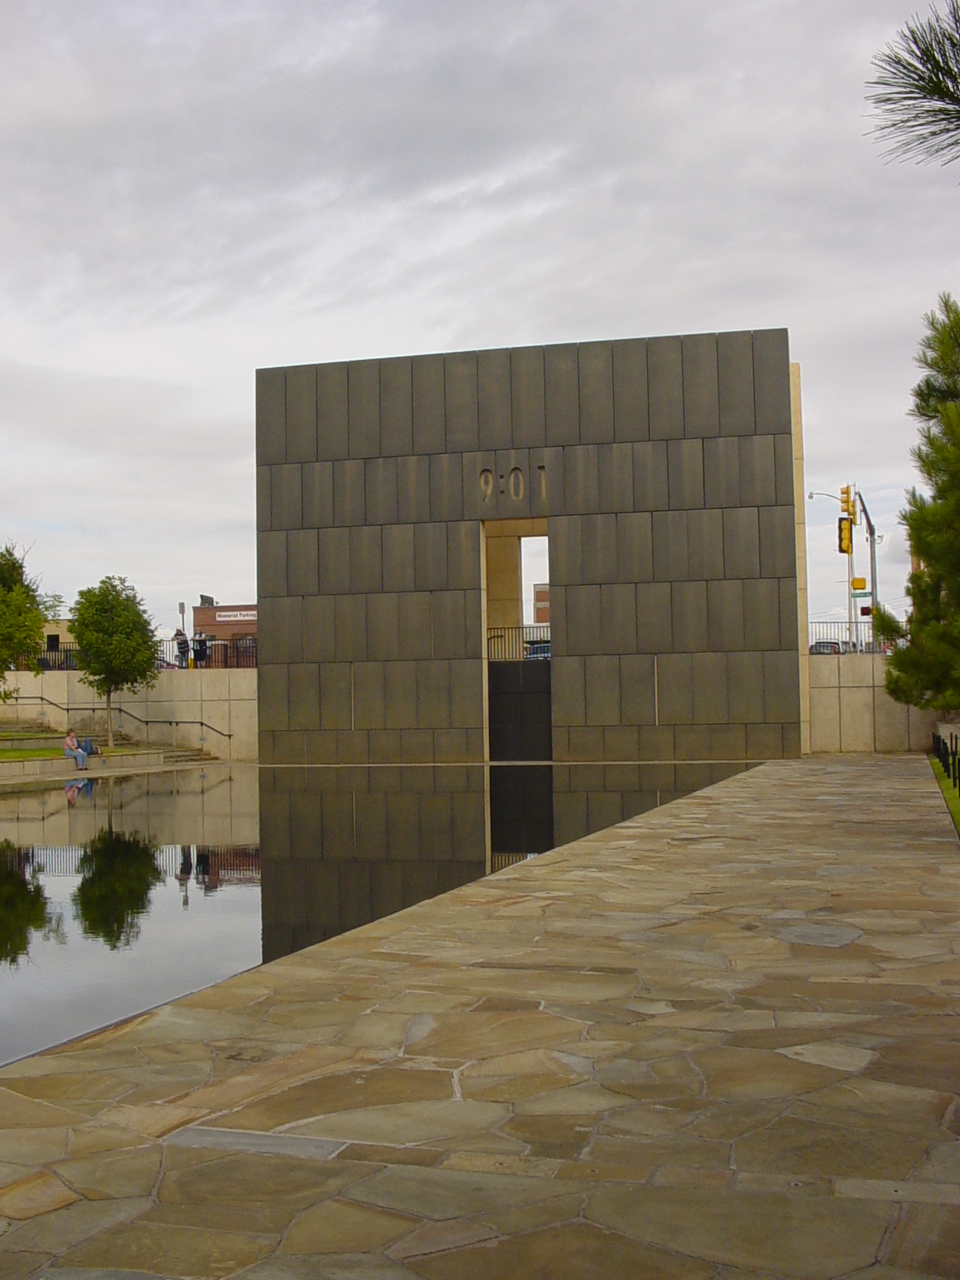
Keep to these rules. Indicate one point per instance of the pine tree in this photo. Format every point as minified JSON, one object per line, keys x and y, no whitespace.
{"x":925,"y":670}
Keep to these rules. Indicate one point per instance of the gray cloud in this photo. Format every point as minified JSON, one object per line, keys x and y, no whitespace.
{"x":190,"y":190}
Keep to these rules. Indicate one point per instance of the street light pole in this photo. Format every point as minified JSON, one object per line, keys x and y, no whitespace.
{"x":872,"y":537}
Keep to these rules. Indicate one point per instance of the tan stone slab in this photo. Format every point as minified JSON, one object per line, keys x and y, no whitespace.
{"x":483,"y":1162}
{"x":56,"y":1231}
{"x":103,"y":1137}
{"x":19,"y":1112}
{"x":797,"y":1145}
{"x":33,"y":1146}
{"x":374,"y":1153}
{"x":104,"y":1037}
{"x":576,"y":1100}
{"x":344,"y":1091}
{"x":905,"y":1191}
{"x":926,"y":1239}
{"x":439,"y":1237}
{"x":153,"y":1120}
{"x":17,"y":1266}
{"x":38,"y":1193}
{"x":469,"y":1036}
{"x":795,"y":1236}
{"x":448,"y":1193}
{"x":271,"y":1189}
{"x":340,"y":1227}
{"x":284,"y":1071}
{"x":839,"y":1057}
{"x":405,"y":1122}
{"x":508,"y":1220}
{"x":171,"y":1251}
{"x":552,"y":1136}
{"x":750,"y":1073}
{"x":129,"y":1173}
{"x":577,"y":1251}
{"x":68,"y":1087}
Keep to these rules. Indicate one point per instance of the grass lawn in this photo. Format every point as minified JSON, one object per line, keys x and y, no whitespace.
{"x":33,"y":753}
{"x":53,"y":735}
{"x":951,"y":796}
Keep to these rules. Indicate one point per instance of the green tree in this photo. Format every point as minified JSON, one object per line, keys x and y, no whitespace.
{"x":917,"y":90}
{"x":116,"y":642}
{"x":23,"y":908}
{"x":925,"y":670}
{"x":117,"y":874}
{"x":24,"y":611}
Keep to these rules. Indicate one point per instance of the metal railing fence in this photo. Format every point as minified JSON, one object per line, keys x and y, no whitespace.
{"x":28,"y":699}
{"x":205,"y":654}
{"x":510,"y":644}
{"x":845,"y":637}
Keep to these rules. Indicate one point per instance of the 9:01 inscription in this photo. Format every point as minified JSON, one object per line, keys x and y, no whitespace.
{"x":512,"y":483}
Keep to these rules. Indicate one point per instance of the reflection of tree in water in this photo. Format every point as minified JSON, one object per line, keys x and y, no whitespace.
{"x":23,"y":907}
{"x":118,"y":872}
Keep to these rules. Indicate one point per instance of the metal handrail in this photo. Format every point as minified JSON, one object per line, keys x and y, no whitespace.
{"x":121,"y":711}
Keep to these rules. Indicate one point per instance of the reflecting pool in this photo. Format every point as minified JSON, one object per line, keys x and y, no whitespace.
{"x":118,"y":896}
{"x":123,"y":895}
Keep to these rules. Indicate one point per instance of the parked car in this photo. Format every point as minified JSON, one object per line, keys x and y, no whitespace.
{"x":826,"y":646}
{"x":536,"y":649}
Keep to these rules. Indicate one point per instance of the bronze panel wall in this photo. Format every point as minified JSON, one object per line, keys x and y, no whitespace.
{"x":664,"y":469}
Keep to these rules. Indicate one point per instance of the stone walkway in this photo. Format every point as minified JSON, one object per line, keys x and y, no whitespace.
{"x":720,"y":1040}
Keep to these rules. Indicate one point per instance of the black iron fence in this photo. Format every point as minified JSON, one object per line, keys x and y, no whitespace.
{"x":510,"y":644}
{"x":201,"y":654}
{"x":947,"y":749}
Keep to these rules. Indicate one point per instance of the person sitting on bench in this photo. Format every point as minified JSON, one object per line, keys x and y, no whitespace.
{"x":79,"y":751}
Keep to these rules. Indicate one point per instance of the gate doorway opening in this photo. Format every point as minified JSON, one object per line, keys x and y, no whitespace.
{"x":519,"y":719}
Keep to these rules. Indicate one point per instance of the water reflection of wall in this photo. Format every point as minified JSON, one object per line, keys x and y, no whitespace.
{"x":215,"y":805}
{"x":343,"y":846}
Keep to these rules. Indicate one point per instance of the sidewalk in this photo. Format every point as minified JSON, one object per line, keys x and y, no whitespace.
{"x":720,"y":1040}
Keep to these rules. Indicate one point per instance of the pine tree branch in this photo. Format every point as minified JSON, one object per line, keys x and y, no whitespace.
{"x":917,"y":90}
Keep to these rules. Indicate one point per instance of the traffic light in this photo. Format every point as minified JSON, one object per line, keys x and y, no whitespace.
{"x":848,"y":502}
{"x":845,"y":536}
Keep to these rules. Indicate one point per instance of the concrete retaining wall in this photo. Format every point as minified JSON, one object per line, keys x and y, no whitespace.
{"x":850,"y":710}
{"x":63,"y":767}
{"x":224,"y":701}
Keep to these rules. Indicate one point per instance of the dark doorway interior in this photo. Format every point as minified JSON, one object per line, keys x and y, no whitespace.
{"x":520,"y":725}
{"x":521,"y":794}
{"x":521,"y":808}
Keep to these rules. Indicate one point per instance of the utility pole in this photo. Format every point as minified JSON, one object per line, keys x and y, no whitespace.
{"x":872,"y":538}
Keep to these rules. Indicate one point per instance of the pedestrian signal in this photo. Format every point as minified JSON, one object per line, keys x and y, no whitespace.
{"x":845,"y":536}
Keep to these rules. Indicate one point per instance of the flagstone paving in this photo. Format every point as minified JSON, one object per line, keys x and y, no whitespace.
{"x":720,"y":1040}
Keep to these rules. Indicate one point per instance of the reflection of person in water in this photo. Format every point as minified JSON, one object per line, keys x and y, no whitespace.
{"x":183,"y":875}
{"x":74,"y":790}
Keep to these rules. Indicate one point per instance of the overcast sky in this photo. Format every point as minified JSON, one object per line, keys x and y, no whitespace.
{"x":190,"y":191}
